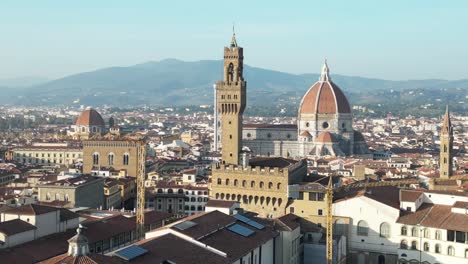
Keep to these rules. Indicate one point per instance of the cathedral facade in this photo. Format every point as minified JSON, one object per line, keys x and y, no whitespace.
{"x":324,"y":127}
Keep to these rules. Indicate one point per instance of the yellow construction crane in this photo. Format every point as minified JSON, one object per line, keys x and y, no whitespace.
{"x":141,"y":175}
{"x":329,"y":197}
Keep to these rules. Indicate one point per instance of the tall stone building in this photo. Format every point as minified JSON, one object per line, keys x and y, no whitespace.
{"x":446,"y":143}
{"x":118,"y":154}
{"x":258,"y":184}
{"x":231,"y":100}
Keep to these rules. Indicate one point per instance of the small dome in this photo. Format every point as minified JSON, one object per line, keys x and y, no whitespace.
{"x":324,"y":97}
{"x":325,"y":137}
{"x":306,"y":133}
{"x":90,"y":117}
{"x":358,"y":137}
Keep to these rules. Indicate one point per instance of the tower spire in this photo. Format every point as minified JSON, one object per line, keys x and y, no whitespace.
{"x":446,"y":145}
{"x":324,"y":75}
{"x":446,"y":126}
{"x":233,"y":40}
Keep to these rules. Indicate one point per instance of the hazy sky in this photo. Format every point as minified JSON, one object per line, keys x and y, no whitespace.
{"x":383,"y":39}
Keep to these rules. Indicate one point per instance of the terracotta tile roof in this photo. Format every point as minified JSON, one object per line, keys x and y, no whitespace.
{"x":290,"y":220}
{"x":172,"y":248}
{"x":220,"y":203}
{"x":76,"y":181}
{"x":66,"y":215}
{"x":413,"y":218}
{"x":236,"y":245}
{"x":325,"y":137}
{"x":324,"y":98}
{"x":90,"y":117}
{"x":31,"y":209}
{"x":272,"y":162}
{"x":271,"y":126}
{"x":460,"y":204}
{"x":15,"y":226}
{"x":108,"y":227}
{"x":454,"y":221}
{"x":206,"y":223}
{"x":88,"y":259}
{"x":153,"y":217}
{"x":387,"y":195}
{"x":37,"y":250}
{"x":409,"y":195}
{"x":306,"y":133}
{"x":435,"y":216}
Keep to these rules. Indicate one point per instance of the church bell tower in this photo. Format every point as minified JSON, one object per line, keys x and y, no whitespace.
{"x":446,"y":142}
{"x":231,"y":98}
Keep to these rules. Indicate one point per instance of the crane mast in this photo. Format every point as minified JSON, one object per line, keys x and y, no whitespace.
{"x":330,"y":221}
{"x":141,"y":175}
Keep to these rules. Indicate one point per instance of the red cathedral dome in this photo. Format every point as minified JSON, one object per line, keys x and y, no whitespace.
{"x":324,"y":97}
{"x":90,"y":117}
{"x":325,"y":137}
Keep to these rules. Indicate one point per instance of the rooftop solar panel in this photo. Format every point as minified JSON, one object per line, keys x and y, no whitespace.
{"x":185,"y":225}
{"x":131,"y":252}
{"x":249,"y":221}
{"x":241,"y":230}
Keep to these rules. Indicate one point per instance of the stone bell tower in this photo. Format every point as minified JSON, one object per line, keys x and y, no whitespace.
{"x":231,"y":98}
{"x":446,"y":142}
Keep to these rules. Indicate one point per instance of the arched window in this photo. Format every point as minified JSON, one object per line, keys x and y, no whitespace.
{"x":66,"y":198}
{"x":437,"y":248}
{"x":404,"y":231}
{"x":110,"y":159}
{"x":261,"y":184}
{"x":170,"y":191}
{"x":278,"y":186}
{"x":339,"y":227}
{"x":404,"y":244}
{"x":270,"y":185}
{"x":252,"y":184}
{"x":426,"y":246}
{"x":230,"y":72}
{"x":438,"y":235}
{"x":126,"y":158}
{"x":385,"y":230}
{"x":96,"y":158}
{"x":362,"y":228}
{"x":57,"y":196}
{"x":244,"y":183}
{"x":414,"y":232}
{"x":193,"y":199}
{"x":426,"y":233}
{"x":235,"y":182}
{"x":414,"y":245}
{"x":219,"y":181}
{"x":451,"y":251}
{"x":227,"y":182}
{"x":160,"y":190}
{"x":180,"y":191}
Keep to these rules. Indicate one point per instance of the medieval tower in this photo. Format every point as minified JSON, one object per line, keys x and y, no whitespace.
{"x":446,"y":142}
{"x":231,"y":101}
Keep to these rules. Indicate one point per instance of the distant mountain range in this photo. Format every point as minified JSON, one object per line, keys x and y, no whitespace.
{"x":174,"y":82}
{"x":22,"y":81}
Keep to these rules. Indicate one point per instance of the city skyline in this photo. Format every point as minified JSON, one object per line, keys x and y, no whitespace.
{"x":394,"y":41}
